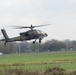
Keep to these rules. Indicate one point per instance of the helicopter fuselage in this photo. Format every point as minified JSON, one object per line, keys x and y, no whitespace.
{"x":24,"y":36}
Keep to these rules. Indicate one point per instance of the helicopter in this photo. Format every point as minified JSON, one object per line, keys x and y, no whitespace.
{"x":25,"y":36}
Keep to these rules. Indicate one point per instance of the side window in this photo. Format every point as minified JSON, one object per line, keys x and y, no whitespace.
{"x":26,"y":34}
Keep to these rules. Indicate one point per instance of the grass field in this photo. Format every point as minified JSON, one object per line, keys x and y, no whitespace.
{"x":39,"y":61}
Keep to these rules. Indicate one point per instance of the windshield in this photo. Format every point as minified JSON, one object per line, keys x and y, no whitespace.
{"x":40,"y":32}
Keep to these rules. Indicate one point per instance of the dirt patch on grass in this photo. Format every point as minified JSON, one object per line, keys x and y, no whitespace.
{"x":39,"y":63}
{"x":48,"y":71}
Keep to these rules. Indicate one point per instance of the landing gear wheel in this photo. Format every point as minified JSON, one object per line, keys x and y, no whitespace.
{"x":40,"y":40}
{"x":33,"y":42}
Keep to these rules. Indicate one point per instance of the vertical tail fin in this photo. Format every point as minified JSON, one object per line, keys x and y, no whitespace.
{"x":5,"y":34}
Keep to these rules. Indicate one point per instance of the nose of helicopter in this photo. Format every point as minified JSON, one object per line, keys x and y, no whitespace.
{"x":46,"y":34}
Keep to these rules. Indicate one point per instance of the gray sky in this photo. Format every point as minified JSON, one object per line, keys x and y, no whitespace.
{"x":60,"y":13}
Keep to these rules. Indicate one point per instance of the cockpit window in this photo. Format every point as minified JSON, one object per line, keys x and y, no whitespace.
{"x":40,"y":32}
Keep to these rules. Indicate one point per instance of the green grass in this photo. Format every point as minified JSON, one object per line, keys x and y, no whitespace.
{"x":39,"y":61}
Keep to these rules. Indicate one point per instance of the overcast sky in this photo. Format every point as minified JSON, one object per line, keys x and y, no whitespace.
{"x":60,"y":13}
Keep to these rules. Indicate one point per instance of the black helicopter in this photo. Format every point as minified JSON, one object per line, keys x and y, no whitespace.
{"x":28,"y":35}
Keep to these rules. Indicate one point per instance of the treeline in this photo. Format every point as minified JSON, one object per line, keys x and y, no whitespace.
{"x":48,"y":46}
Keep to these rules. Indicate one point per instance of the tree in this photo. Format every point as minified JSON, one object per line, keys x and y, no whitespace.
{"x":56,"y":45}
{"x":45,"y":45}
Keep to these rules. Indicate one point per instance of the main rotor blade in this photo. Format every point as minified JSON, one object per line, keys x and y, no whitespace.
{"x":42,"y":25}
{"x":21,"y":27}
